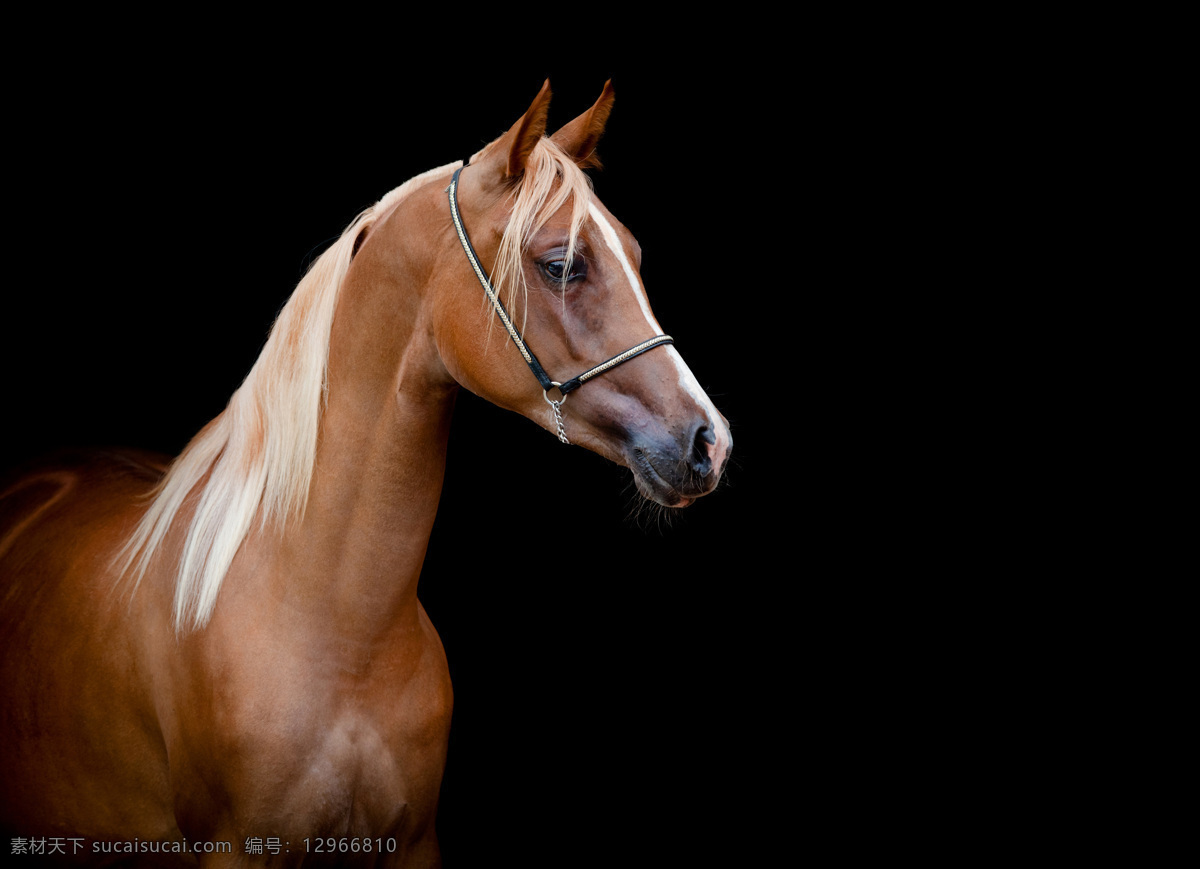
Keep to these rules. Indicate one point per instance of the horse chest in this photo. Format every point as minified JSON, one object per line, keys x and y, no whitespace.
{"x":357,"y":776}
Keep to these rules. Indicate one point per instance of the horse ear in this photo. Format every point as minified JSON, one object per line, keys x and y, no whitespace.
{"x":508,"y":154}
{"x":578,"y":138}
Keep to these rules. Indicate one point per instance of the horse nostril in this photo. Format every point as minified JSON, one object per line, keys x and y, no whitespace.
{"x":704,"y":438}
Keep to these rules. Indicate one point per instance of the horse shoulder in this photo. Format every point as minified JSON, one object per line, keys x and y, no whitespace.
{"x":309,"y":736}
{"x":76,"y":697}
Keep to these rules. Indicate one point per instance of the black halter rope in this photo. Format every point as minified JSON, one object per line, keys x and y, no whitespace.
{"x":531,"y":360}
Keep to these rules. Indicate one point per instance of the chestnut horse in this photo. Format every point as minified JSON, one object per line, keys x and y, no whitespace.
{"x":223,"y":660}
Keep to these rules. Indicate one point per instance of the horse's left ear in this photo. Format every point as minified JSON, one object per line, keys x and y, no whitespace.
{"x":578,"y":138}
{"x":505,"y":158}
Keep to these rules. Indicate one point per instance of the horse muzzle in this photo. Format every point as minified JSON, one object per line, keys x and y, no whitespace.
{"x":675,"y":473}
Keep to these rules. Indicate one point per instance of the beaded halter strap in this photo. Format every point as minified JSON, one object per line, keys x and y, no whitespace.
{"x":527,"y":354}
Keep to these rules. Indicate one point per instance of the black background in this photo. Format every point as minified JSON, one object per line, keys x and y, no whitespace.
{"x":620,"y":682}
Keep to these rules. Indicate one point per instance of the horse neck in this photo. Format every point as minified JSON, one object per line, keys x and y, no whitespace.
{"x":355,"y":558}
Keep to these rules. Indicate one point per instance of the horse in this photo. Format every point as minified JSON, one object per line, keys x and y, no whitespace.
{"x":221,"y":659}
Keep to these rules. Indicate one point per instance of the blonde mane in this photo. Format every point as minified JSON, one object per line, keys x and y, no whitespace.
{"x":551,"y":180}
{"x":256,"y":460}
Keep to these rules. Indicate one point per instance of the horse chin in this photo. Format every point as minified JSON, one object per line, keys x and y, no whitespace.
{"x":653,"y":487}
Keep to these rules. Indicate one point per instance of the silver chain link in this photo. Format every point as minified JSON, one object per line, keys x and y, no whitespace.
{"x":556,"y":407}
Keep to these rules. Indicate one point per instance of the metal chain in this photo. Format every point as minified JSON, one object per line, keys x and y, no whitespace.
{"x":556,"y":407}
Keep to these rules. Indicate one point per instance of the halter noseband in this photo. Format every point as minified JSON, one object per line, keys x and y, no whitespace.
{"x":531,"y":360}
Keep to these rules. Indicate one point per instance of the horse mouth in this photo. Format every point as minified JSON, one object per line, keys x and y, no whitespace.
{"x":651,"y":484}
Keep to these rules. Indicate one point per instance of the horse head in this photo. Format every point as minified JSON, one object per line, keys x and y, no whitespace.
{"x":533,"y":274}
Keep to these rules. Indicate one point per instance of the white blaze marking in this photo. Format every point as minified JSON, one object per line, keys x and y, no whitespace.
{"x":687,"y":380}
{"x":614,"y":244}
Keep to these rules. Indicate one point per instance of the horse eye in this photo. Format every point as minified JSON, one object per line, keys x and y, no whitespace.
{"x":556,"y":270}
